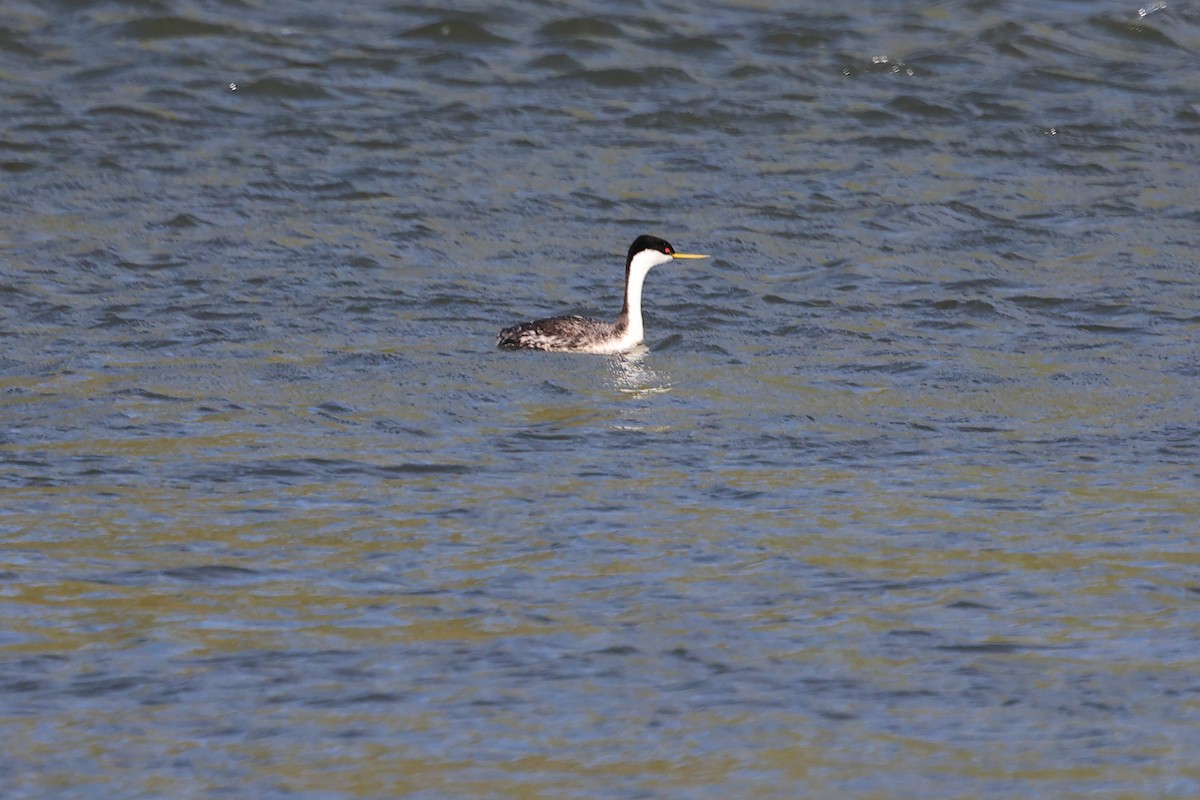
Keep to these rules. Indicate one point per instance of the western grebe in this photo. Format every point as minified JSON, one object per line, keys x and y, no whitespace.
{"x":586,"y":335}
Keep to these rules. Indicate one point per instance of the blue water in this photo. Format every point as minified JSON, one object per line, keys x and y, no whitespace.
{"x":900,"y":499}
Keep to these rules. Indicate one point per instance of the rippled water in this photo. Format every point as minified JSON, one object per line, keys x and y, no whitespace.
{"x":901,"y":500}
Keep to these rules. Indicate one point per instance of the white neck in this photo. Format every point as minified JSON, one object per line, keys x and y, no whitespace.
{"x":631,"y":331}
{"x":641,"y":264}
{"x":633,"y":304}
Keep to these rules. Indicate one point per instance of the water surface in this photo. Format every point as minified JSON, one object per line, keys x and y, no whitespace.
{"x":900,"y":500}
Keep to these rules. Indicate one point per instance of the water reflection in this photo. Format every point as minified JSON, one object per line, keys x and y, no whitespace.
{"x":631,"y":375}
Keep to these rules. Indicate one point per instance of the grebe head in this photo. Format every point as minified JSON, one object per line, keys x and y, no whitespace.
{"x":650,"y":251}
